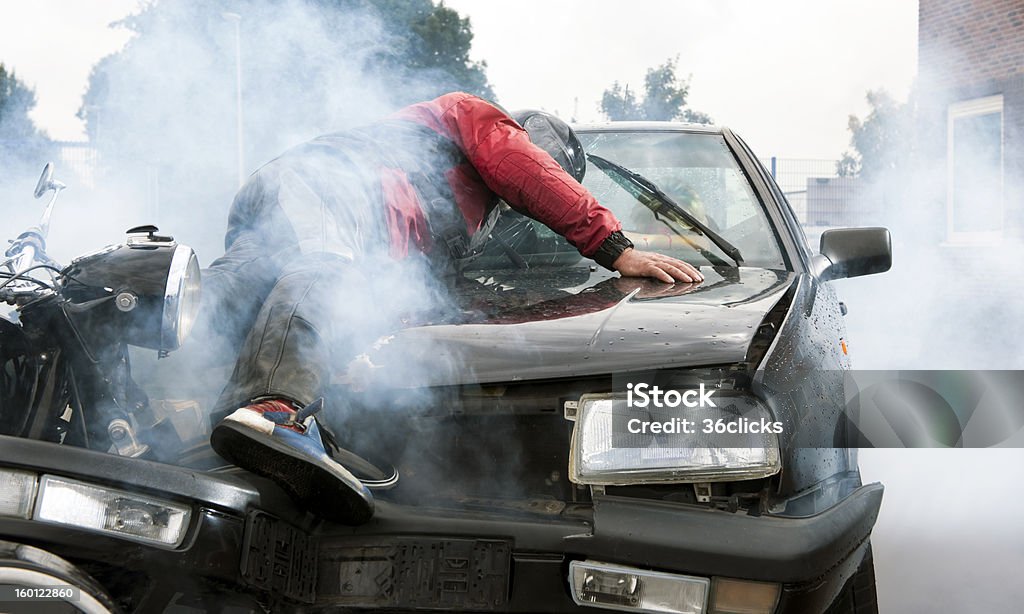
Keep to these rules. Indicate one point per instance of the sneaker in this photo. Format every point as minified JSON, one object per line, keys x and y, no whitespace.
{"x":271,"y":438}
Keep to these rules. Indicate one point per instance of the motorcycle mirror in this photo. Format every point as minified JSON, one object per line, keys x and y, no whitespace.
{"x":46,"y":182}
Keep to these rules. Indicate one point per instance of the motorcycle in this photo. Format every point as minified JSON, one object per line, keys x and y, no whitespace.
{"x":67,"y":374}
{"x":65,"y":379}
{"x":110,"y":501}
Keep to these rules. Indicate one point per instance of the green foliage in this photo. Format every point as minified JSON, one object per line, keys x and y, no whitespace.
{"x":406,"y":50}
{"x":619,"y":104}
{"x":163,"y":110}
{"x":20,"y":140}
{"x":664,"y":98}
{"x":16,"y":100}
{"x":443,"y":44}
{"x":430,"y":41}
{"x":882,"y":141}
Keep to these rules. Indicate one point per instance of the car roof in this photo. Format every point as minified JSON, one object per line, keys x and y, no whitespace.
{"x":647,"y":126}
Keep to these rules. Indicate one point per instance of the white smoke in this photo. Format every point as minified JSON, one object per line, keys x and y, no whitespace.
{"x":162,"y":116}
{"x":950,"y":527}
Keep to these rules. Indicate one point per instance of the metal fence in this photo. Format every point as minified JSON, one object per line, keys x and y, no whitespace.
{"x":81,"y":159}
{"x":819,"y":196}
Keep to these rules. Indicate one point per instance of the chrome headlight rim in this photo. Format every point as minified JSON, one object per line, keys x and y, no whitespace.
{"x":182,"y":280}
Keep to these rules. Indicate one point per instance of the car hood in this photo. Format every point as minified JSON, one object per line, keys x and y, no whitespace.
{"x":539,"y":325}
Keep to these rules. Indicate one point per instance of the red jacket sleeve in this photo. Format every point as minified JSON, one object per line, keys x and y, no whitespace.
{"x":517,"y":170}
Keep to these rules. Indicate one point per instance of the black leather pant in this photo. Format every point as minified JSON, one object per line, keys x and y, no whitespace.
{"x":297,"y":337}
{"x":303,"y":235}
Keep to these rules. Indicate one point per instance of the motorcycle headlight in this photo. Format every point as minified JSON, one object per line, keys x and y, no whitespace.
{"x":145,"y":292}
{"x":616,"y":443}
{"x":181,"y":298}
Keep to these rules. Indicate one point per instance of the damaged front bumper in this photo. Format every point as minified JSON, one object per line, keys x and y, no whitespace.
{"x":247,"y":542}
{"x":410,"y":557}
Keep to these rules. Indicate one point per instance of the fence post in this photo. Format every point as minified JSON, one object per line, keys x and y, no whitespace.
{"x":773,"y":168}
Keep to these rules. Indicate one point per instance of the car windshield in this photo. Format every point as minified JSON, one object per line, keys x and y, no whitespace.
{"x":696,"y":171}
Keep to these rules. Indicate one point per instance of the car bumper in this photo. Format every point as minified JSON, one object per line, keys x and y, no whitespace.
{"x":811,"y":557}
{"x":523,"y":555}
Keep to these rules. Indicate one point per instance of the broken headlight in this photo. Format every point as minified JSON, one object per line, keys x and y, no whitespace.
{"x":615,"y":442}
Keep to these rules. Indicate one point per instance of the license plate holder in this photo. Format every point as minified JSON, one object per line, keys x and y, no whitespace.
{"x":417,"y":572}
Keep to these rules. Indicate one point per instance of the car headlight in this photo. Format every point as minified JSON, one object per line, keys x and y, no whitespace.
{"x":146,"y":291}
{"x":92,"y":507}
{"x":106,"y":510}
{"x":614,"y":443}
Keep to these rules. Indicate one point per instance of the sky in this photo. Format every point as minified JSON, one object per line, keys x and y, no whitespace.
{"x":785,"y":74}
{"x":52,"y":45}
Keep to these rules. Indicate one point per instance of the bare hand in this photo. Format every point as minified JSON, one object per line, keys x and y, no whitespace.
{"x":635,"y":263}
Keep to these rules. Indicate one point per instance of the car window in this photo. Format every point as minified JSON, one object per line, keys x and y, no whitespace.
{"x":700,"y":174}
{"x":697,"y":171}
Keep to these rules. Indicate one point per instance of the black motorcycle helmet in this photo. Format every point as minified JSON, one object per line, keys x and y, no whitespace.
{"x":555,"y":137}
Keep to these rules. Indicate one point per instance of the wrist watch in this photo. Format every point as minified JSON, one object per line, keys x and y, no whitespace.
{"x":611,"y":248}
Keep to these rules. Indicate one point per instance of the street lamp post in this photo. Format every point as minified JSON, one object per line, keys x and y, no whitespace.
{"x":237,"y":19}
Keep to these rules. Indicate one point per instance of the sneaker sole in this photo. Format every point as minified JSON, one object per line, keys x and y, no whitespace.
{"x":304,"y":479}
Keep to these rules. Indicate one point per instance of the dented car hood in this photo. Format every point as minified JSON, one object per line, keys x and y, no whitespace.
{"x":527,"y":325}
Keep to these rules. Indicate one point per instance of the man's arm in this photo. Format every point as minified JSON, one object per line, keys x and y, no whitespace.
{"x":534,"y":184}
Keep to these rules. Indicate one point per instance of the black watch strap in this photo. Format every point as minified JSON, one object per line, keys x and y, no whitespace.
{"x":611,"y":248}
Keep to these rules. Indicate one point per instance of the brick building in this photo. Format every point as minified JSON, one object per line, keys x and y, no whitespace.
{"x":971,"y":114}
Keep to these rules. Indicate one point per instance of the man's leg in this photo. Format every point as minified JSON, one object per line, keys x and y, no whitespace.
{"x":317,"y":214}
{"x":285,"y":365}
{"x":287,"y":353}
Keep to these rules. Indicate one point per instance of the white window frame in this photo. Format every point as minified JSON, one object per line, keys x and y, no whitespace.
{"x":959,"y":110}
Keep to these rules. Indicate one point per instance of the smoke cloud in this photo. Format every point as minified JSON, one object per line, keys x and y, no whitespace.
{"x":306,"y":71}
{"x":946,"y":304}
{"x":162,"y":115}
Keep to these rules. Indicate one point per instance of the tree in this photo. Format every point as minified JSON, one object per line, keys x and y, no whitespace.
{"x":20,"y":140}
{"x":407,"y":49}
{"x":882,"y":141}
{"x":440,"y":45}
{"x":16,"y":100}
{"x":619,"y":104}
{"x":163,"y":109}
{"x":664,"y":98}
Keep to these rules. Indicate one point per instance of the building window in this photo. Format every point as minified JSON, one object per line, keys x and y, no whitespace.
{"x":974,"y":200}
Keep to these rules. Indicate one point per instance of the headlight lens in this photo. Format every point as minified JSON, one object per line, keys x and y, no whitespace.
{"x":181,"y":298}
{"x":105,"y":510}
{"x":737,"y":440}
{"x":630,"y":589}
{"x":17,"y":493}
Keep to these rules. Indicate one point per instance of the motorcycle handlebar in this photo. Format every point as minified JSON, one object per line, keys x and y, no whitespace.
{"x":30,"y":246}
{"x":27,"y":249}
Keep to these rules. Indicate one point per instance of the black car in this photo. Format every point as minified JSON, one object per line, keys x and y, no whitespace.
{"x":520,"y":488}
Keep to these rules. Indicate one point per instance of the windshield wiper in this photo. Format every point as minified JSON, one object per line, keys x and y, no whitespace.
{"x":645,"y":191}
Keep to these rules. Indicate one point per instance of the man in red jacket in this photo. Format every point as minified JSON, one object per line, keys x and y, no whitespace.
{"x":424,"y":183}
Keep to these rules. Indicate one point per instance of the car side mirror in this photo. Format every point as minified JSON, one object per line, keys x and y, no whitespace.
{"x":853,"y":252}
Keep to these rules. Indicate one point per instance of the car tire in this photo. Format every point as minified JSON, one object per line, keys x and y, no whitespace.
{"x":859,"y":595}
